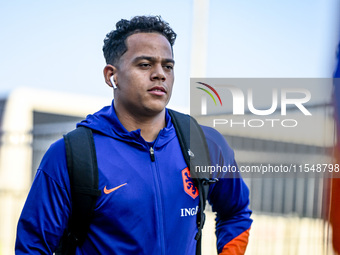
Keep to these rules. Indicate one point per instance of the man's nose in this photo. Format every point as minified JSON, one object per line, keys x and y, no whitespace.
{"x":158,"y":73}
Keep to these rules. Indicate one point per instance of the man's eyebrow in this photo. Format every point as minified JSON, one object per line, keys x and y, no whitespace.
{"x":153,"y":59}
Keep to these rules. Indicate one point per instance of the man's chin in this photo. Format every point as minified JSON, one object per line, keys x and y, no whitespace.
{"x":154,"y":111}
{"x":157,"y":107}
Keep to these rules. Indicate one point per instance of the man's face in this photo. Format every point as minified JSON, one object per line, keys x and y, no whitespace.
{"x":144,"y":75}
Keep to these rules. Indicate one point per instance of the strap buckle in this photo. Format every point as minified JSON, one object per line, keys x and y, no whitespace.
{"x":208,"y":181}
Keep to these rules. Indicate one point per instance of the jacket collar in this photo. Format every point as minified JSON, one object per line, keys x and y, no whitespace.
{"x":107,"y":123}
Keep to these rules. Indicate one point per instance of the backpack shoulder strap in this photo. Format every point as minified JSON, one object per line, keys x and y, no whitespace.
{"x":83,"y":174}
{"x":192,"y":140}
{"x":195,"y":151}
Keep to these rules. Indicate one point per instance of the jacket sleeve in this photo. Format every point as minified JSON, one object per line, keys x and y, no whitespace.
{"x":229,"y":197}
{"x":45,"y":213}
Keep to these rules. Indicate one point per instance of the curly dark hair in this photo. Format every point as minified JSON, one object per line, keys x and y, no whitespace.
{"x":114,"y":42}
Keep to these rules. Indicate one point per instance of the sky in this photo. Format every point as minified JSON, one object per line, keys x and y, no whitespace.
{"x":57,"y":45}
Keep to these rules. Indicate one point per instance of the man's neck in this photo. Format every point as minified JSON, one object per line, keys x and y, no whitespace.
{"x":149,"y":125}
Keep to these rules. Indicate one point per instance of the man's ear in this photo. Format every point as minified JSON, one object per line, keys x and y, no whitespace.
{"x":110,"y":73}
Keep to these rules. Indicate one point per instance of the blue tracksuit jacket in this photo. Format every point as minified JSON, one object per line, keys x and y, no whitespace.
{"x":146,"y":205}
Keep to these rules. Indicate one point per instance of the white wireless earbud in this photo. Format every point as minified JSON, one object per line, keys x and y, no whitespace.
{"x":113,"y":83}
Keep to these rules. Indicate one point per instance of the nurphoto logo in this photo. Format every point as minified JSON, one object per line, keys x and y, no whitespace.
{"x":249,"y":98}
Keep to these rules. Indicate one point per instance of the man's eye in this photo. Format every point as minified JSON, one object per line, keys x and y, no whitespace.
{"x":145,"y":65}
{"x":169,"y":67}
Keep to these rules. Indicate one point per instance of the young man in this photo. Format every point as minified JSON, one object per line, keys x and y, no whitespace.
{"x":140,"y":209}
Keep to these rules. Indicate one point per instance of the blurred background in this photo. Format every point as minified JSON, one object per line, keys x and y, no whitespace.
{"x":51,"y":66}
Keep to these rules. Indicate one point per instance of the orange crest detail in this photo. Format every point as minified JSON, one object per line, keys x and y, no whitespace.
{"x":189,"y":186}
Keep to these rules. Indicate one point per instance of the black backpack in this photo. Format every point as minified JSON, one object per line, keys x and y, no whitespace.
{"x":83,"y":173}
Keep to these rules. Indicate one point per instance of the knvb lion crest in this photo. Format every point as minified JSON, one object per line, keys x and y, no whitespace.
{"x":189,"y":186}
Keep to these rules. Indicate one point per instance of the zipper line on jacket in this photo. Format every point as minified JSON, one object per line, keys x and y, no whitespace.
{"x":159,"y":198}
